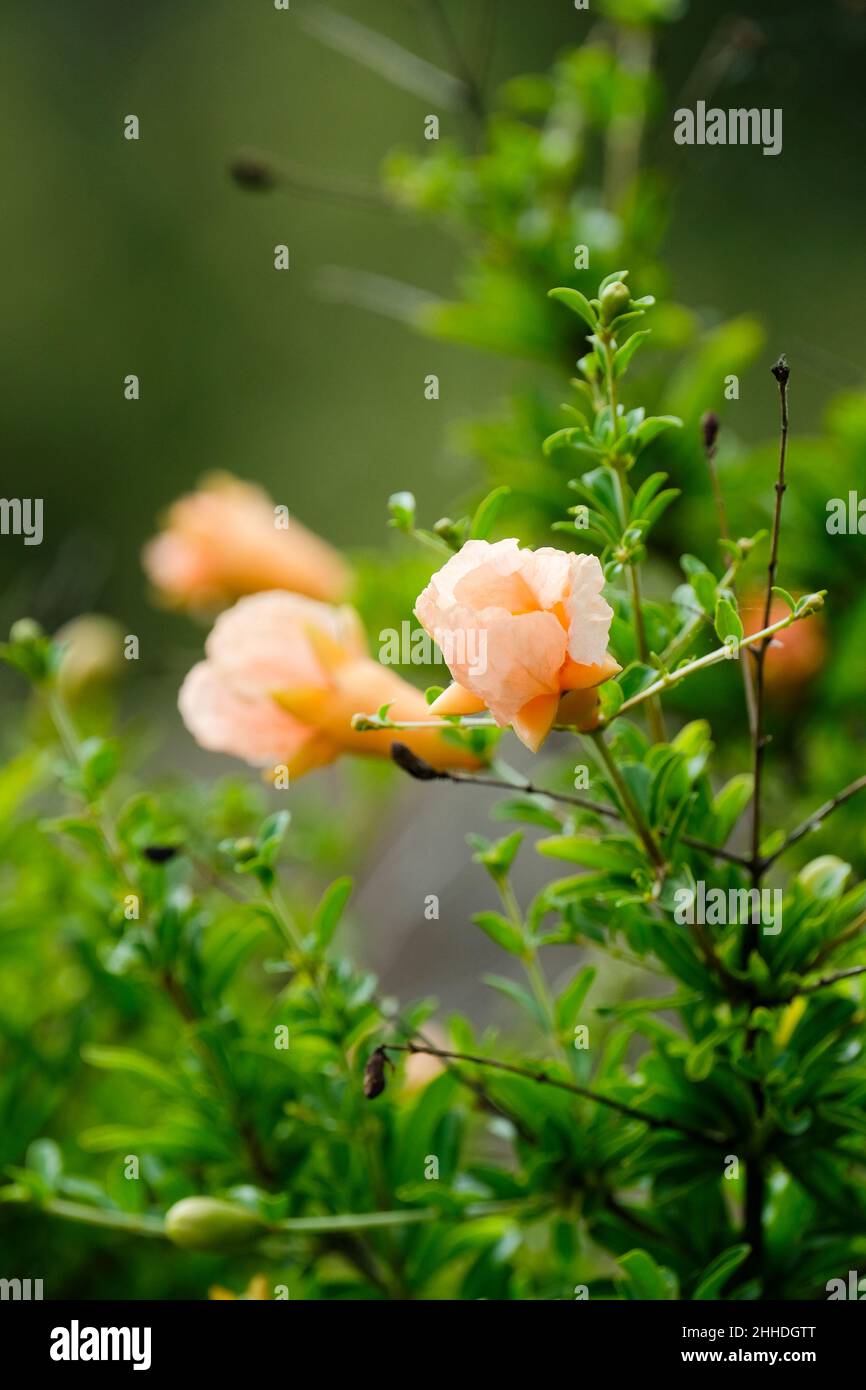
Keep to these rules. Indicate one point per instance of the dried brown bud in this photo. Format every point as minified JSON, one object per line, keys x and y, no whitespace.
{"x":159,"y":854}
{"x":374,"y":1074}
{"x":411,"y":763}
{"x":253,"y":172}
{"x":781,"y":371}
{"x":710,"y":429}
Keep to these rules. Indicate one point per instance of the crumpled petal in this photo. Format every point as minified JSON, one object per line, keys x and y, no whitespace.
{"x":519,"y":626}
{"x":223,"y":721}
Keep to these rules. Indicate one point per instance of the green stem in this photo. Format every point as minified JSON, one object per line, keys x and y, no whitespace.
{"x":713,"y":658}
{"x":154,"y":1226}
{"x":137,"y":1225}
{"x":654,"y":712}
{"x":534,"y":973}
{"x":630,"y":806}
{"x":542,"y":1078}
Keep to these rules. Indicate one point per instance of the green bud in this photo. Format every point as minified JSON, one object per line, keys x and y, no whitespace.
{"x":30,"y":651}
{"x":205,"y":1223}
{"x":25,"y":630}
{"x":614,"y":301}
{"x":401,"y":506}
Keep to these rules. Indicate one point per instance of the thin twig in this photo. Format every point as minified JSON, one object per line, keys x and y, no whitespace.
{"x":809,"y":606}
{"x":416,"y":767}
{"x":474,"y":95}
{"x":756,"y":1179}
{"x":781,"y":372}
{"x":828,"y":980}
{"x":632,"y":810}
{"x":544,"y":1079}
{"x":812,"y":822}
{"x":710,"y":433}
{"x":830,"y":947}
{"x":264,"y":173}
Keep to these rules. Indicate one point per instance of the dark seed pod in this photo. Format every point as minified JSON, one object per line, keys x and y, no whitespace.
{"x":781,"y":371}
{"x":374,"y":1074}
{"x":159,"y":854}
{"x":253,"y":172}
{"x":710,"y":429}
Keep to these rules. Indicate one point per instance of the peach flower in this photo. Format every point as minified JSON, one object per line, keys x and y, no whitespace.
{"x":222,"y":542}
{"x":524,"y":634}
{"x":284,"y":676}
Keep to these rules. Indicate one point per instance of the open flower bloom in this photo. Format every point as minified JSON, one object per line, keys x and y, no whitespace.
{"x":283,"y":677}
{"x":223,"y":541}
{"x":524,"y":634}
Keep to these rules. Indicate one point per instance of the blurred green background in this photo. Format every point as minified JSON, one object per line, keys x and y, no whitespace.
{"x":144,"y":257}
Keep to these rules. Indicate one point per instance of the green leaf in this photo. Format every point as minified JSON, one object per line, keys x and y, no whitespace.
{"x":825,"y":877}
{"x":526,"y":809}
{"x":182,"y":1141}
{"x":704,"y":587}
{"x":716,"y":1274}
{"x":486,"y":513}
{"x":502,"y":931}
{"x":569,"y":1003}
{"x":623,"y":355}
{"x":700,"y":1058}
{"x":326,"y":917}
{"x":728,"y":622}
{"x":271,"y":835}
{"x":613,"y":853}
{"x":578,"y":303}
{"x":99,"y":761}
{"x":785,"y":597}
{"x":645,"y":1279}
{"x":44,"y":1157}
{"x":611,"y":696}
{"x":132,"y":1063}
{"x":730,"y":803}
{"x":517,"y":995}
{"x":643,"y":434}
{"x":497,"y":857}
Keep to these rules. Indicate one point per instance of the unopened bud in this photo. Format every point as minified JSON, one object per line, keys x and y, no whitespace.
{"x":781,"y":371}
{"x":710,"y":430}
{"x":615,"y":299}
{"x":25,"y":630}
{"x":205,"y":1223}
{"x":253,"y":172}
{"x":374,"y":1074}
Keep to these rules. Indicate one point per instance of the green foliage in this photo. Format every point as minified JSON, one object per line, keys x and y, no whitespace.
{"x":193,"y":1060}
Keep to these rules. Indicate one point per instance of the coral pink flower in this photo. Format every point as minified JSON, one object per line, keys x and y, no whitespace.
{"x":222,"y":542}
{"x":284,"y":676}
{"x":795,"y":655}
{"x":519,"y":630}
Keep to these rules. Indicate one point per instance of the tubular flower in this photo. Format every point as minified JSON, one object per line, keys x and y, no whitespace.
{"x":223,"y":541}
{"x":795,"y":655}
{"x":283,"y":677}
{"x":524,"y":634}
